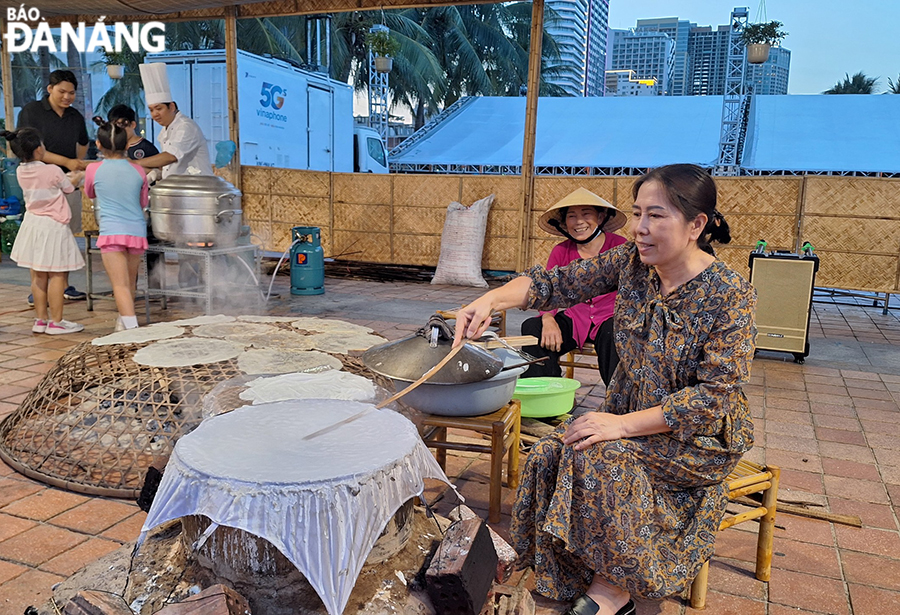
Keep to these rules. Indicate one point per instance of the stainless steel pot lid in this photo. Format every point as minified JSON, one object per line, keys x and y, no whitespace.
{"x":193,"y":185}
{"x":410,"y":357}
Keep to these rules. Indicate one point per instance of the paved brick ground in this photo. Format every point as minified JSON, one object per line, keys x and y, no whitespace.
{"x":831,"y":424}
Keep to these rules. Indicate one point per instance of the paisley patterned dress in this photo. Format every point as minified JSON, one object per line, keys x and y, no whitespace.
{"x":642,"y":512}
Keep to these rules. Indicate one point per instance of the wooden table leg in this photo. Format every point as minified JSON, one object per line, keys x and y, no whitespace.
{"x":497,"y":433}
{"x":440,"y":435}
{"x":512,"y":464}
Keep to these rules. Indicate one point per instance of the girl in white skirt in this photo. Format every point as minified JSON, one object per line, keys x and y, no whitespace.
{"x":44,"y":243}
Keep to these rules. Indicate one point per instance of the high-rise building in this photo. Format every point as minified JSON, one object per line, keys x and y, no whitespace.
{"x":707,"y":60}
{"x":772,"y":76}
{"x":648,"y":53}
{"x":678,"y":30}
{"x":598,"y":29}
{"x":697,"y":63}
{"x":580,"y":30}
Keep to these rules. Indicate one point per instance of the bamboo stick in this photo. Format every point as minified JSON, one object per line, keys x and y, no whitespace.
{"x":531,"y":106}
{"x":801,"y":511}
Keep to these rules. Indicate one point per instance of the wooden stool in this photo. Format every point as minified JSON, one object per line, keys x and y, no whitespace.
{"x":568,"y":360}
{"x":503,"y":426}
{"x":747,"y":478}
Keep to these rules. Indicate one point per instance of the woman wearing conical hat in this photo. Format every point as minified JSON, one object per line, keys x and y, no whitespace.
{"x":587,"y":222}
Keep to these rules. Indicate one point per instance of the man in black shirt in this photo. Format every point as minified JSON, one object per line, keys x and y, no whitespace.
{"x":65,"y":138}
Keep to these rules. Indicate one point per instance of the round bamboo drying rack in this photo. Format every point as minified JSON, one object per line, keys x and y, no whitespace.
{"x":98,"y":420}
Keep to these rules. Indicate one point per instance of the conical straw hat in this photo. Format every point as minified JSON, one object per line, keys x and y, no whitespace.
{"x":581,"y":196}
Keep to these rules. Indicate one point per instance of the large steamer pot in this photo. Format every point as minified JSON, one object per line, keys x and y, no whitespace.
{"x":195,"y":209}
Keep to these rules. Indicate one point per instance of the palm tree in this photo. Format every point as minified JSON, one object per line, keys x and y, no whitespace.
{"x":129,"y":90}
{"x":857,"y":84}
{"x":893,"y":86}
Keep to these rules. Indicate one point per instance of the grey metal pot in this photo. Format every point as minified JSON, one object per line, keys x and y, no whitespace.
{"x":194,"y":209}
{"x":470,"y":399}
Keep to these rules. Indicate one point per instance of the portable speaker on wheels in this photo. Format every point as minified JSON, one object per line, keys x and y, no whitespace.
{"x":784,"y":283}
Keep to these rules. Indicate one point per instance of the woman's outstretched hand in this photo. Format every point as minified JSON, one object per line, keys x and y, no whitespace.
{"x":593,"y":427}
{"x":472,"y":320}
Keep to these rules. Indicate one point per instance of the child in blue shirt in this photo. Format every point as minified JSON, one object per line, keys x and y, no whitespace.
{"x":121,"y":193}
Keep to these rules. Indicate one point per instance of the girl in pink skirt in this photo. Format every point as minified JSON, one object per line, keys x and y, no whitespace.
{"x":45,"y":243}
{"x":121,"y":194}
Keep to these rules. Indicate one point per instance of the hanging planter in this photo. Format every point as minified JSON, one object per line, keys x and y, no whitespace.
{"x":758,"y":53}
{"x":383,"y":46}
{"x":384,"y":64}
{"x":759,"y":38}
{"x":115,"y":71}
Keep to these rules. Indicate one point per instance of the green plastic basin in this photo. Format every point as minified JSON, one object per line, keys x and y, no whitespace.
{"x":545,"y":396}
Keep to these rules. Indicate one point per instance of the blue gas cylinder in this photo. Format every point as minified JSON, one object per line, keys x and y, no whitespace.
{"x":307,"y":261}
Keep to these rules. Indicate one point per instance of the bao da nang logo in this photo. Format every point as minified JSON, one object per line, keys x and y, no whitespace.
{"x":20,"y":35}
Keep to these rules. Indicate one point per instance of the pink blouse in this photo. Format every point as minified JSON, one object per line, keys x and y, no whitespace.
{"x":45,"y":187}
{"x":588,"y":316}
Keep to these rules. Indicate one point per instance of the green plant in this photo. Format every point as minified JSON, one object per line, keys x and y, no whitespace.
{"x":381,"y":43}
{"x":762,"y":33}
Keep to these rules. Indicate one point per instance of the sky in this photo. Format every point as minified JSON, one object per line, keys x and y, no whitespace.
{"x":827,"y":38}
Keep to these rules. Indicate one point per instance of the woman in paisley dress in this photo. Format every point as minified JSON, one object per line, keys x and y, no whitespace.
{"x":626,"y":501}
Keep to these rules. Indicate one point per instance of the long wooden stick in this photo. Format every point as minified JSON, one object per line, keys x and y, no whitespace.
{"x":431,"y":372}
{"x":802,"y":511}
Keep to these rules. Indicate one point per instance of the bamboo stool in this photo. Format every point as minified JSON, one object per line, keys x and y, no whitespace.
{"x":747,"y":478}
{"x":568,"y":360}
{"x":503,"y":427}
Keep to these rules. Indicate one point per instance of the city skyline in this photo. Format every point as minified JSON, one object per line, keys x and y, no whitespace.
{"x":826,"y":40}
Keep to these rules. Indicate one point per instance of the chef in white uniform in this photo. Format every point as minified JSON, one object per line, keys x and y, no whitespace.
{"x":183,"y":148}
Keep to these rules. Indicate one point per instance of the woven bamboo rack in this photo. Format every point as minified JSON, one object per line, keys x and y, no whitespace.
{"x":98,"y":420}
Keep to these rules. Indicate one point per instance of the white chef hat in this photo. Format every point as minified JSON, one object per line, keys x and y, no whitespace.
{"x":156,"y":83}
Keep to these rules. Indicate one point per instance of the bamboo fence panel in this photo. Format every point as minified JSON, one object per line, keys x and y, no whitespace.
{"x":426,"y":190}
{"x":853,"y":222}
{"x":362,"y":188}
{"x":256,"y":206}
{"x":735,"y":257}
{"x":542,"y":249}
{"x":853,"y":271}
{"x":500,"y":253}
{"x":419,"y":220}
{"x":354,"y":217}
{"x":417,"y":249}
{"x":861,"y":235}
{"x":301,"y":210}
{"x":507,"y":191}
{"x":853,"y":197}
{"x":256,"y":179}
{"x":550,"y":190}
{"x":624,"y":200}
{"x":294,"y":182}
{"x":779,"y":232}
{"x":758,"y":195}
{"x":363,"y":246}
{"x":503,"y":223}
{"x":261,"y":230}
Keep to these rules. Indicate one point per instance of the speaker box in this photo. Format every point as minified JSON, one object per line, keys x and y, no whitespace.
{"x":784,"y":285}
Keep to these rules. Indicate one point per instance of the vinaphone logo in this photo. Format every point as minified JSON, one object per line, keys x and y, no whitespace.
{"x":20,"y":35}
{"x":273,"y":96}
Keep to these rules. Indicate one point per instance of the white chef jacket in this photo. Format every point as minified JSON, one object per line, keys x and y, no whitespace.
{"x":184,"y":140}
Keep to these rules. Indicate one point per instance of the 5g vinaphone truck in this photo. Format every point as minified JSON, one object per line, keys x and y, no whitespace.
{"x":289,"y":117}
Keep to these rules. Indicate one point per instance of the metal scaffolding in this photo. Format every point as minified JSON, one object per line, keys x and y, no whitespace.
{"x":378,"y":92}
{"x":735,"y":102}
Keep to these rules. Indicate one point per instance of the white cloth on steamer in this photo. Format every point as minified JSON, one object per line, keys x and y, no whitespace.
{"x":322,"y":502}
